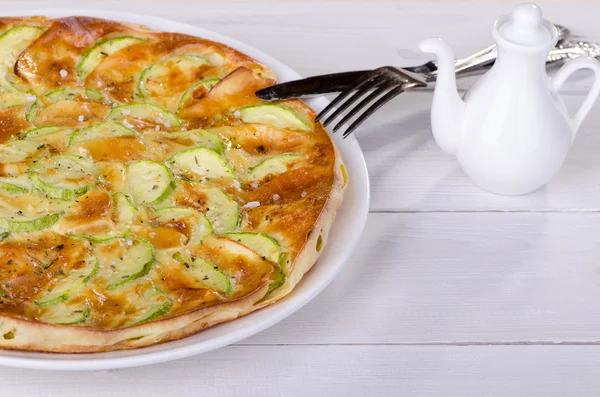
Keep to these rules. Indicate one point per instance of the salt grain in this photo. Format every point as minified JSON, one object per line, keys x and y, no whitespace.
{"x":303,"y":194}
{"x":129,"y":243}
{"x":275,"y":197}
{"x":254,"y":185}
{"x":31,"y":98}
{"x":252,"y":204}
{"x":152,"y":234}
{"x":167,"y":124}
{"x":237,"y":114}
{"x":63,"y":73}
{"x":80,"y":118}
{"x":236,"y":184}
{"x":157,"y":128}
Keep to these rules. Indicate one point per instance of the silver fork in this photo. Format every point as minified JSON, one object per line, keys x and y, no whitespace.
{"x":388,"y":82}
{"x":338,"y":82}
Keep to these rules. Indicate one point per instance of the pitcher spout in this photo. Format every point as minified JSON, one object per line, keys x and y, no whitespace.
{"x":448,"y":108}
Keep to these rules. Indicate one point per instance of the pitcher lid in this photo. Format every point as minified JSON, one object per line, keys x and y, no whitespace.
{"x":526,"y":27}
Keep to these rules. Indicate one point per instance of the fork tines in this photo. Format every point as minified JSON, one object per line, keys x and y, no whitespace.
{"x":383,"y":84}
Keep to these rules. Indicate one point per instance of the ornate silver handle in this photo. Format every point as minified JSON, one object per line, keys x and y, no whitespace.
{"x":484,"y":59}
{"x":480,"y":60}
{"x":573,"y":49}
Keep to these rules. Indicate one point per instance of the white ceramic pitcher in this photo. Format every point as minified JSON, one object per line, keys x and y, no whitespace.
{"x":512,"y":132}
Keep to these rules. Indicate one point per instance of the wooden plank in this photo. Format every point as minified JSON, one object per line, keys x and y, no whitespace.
{"x":349,"y":371}
{"x":460,"y":278}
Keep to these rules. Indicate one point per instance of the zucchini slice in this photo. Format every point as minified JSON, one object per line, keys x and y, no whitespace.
{"x":201,"y":225}
{"x":200,"y":137}
{"x":125,"y":210}
{"x":105,"y":238}
{"x":103,"y":48}
{"x":63,"y":177}
{"x":157,"y":311}
{"x":174,"y":213}
{"x":107,"y":129}
{"x":44,"y":131}
{"x":271,"y":166}
{"x":275,"y":115}
{"x":9,"y":99}
{"x":277,"y":279}
{"x":71,"y":283}
{"x":65,"y":314}
{"x":123,"y":263}
{"x":16,"y":151}
{"x":32,"y":225}
{"x":146,"y":111}
{"x":96,"y":96}
{"x":156,"y":77}
{"x":202,"y":229}
{"x":206,"y":84}
{"x":149,"y":182}
{"x":200,"y":163}
{"x":222,"y":211}
{"x":12,"y":43}
{"x":13,"y":185}
{"x":263,"y":245}
{"x":199,"y":273}
{"x":63,"y":94}
{"x":33,"y":111}
{"x":68,"y":93}
{"x":149,"y":303}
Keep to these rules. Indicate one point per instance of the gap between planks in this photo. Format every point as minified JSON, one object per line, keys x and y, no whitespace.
{"x":457,"y":344}
{"x":478,"y":211}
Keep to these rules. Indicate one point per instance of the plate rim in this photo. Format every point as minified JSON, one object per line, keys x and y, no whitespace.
{"x":282,"y":309}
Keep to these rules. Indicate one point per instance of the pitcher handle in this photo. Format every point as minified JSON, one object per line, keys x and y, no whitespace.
{"x":563,"y":75}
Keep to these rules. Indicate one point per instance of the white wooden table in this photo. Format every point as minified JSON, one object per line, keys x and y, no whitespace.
{"x":452,"y":291}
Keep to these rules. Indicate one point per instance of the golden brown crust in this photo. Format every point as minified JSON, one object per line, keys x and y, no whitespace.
{"x":296,"y":207}
{"x":33,"y":336}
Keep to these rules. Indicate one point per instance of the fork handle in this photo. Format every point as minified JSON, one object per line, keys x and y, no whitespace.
{"x":476,"y":63}
{"x":482,"y":60}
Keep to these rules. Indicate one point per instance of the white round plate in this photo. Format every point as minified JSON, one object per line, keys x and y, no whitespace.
{"x":344,"y":236}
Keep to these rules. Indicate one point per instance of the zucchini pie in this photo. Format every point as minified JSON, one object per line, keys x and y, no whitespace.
{"x":146,"y":193}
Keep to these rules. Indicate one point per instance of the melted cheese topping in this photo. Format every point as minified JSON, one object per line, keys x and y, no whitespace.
{"x":89,"y":252}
